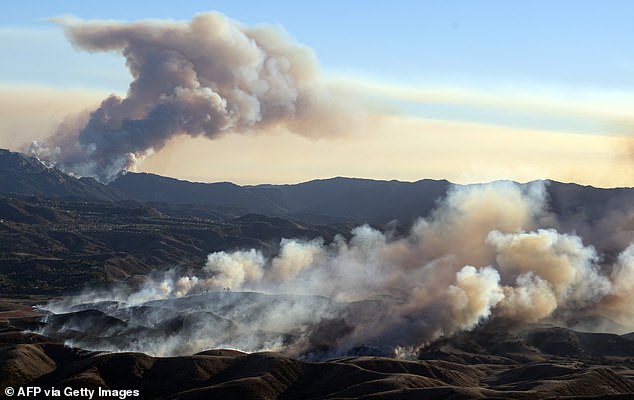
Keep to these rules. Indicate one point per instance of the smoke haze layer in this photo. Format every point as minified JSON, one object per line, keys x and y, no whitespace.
{"x":205,"y":77}
{"x":486,"y":251}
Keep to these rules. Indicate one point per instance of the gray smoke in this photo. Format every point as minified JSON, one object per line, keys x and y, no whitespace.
{"x":205,"y":77}
{"x":487,"y":250}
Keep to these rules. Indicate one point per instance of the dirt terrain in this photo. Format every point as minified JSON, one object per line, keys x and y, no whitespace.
{"x":77,"y":308}
{"x":500,"y":359}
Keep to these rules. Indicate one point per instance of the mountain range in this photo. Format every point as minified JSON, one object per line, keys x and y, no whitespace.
{"x":60,"y":234}
{"x":322,"y":201}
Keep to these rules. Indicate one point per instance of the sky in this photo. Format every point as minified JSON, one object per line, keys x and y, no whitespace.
{"x":468,"y":91}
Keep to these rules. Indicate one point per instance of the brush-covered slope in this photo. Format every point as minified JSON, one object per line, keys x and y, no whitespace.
{"x":25,"y":175}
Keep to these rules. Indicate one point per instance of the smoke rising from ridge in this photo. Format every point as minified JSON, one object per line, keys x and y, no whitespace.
{"x":486,"y":251}
{"x":205,"y":77}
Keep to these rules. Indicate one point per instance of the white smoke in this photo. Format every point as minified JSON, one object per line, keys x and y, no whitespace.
{"x":547,"y":258}
{"x":235,"y":270}
{"x":486,"y":251}
{"x":473,"y":296}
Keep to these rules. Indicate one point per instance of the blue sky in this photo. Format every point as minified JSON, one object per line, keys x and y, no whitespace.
{"x":477,"y":43}
{"x":565,"y":67}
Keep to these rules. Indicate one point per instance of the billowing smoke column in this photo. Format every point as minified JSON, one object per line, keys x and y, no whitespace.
{"x":486,"y":251}
{"x":205,"y":77}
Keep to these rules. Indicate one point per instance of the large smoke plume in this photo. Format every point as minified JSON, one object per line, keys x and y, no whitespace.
{"x":205,"y":77}
{"x":486,"y":251}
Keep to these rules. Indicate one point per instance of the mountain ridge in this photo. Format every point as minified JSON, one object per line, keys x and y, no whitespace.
{"x":25,"y":175}
{"x":339,"y":198}
{"x":332,"y":200}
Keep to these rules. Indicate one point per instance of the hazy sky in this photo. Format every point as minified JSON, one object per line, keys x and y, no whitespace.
{"x":463,"y":90}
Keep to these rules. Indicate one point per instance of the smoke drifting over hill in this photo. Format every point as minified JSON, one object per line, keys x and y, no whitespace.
{"x":205,"y":77}
{"x":487,"y":250}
